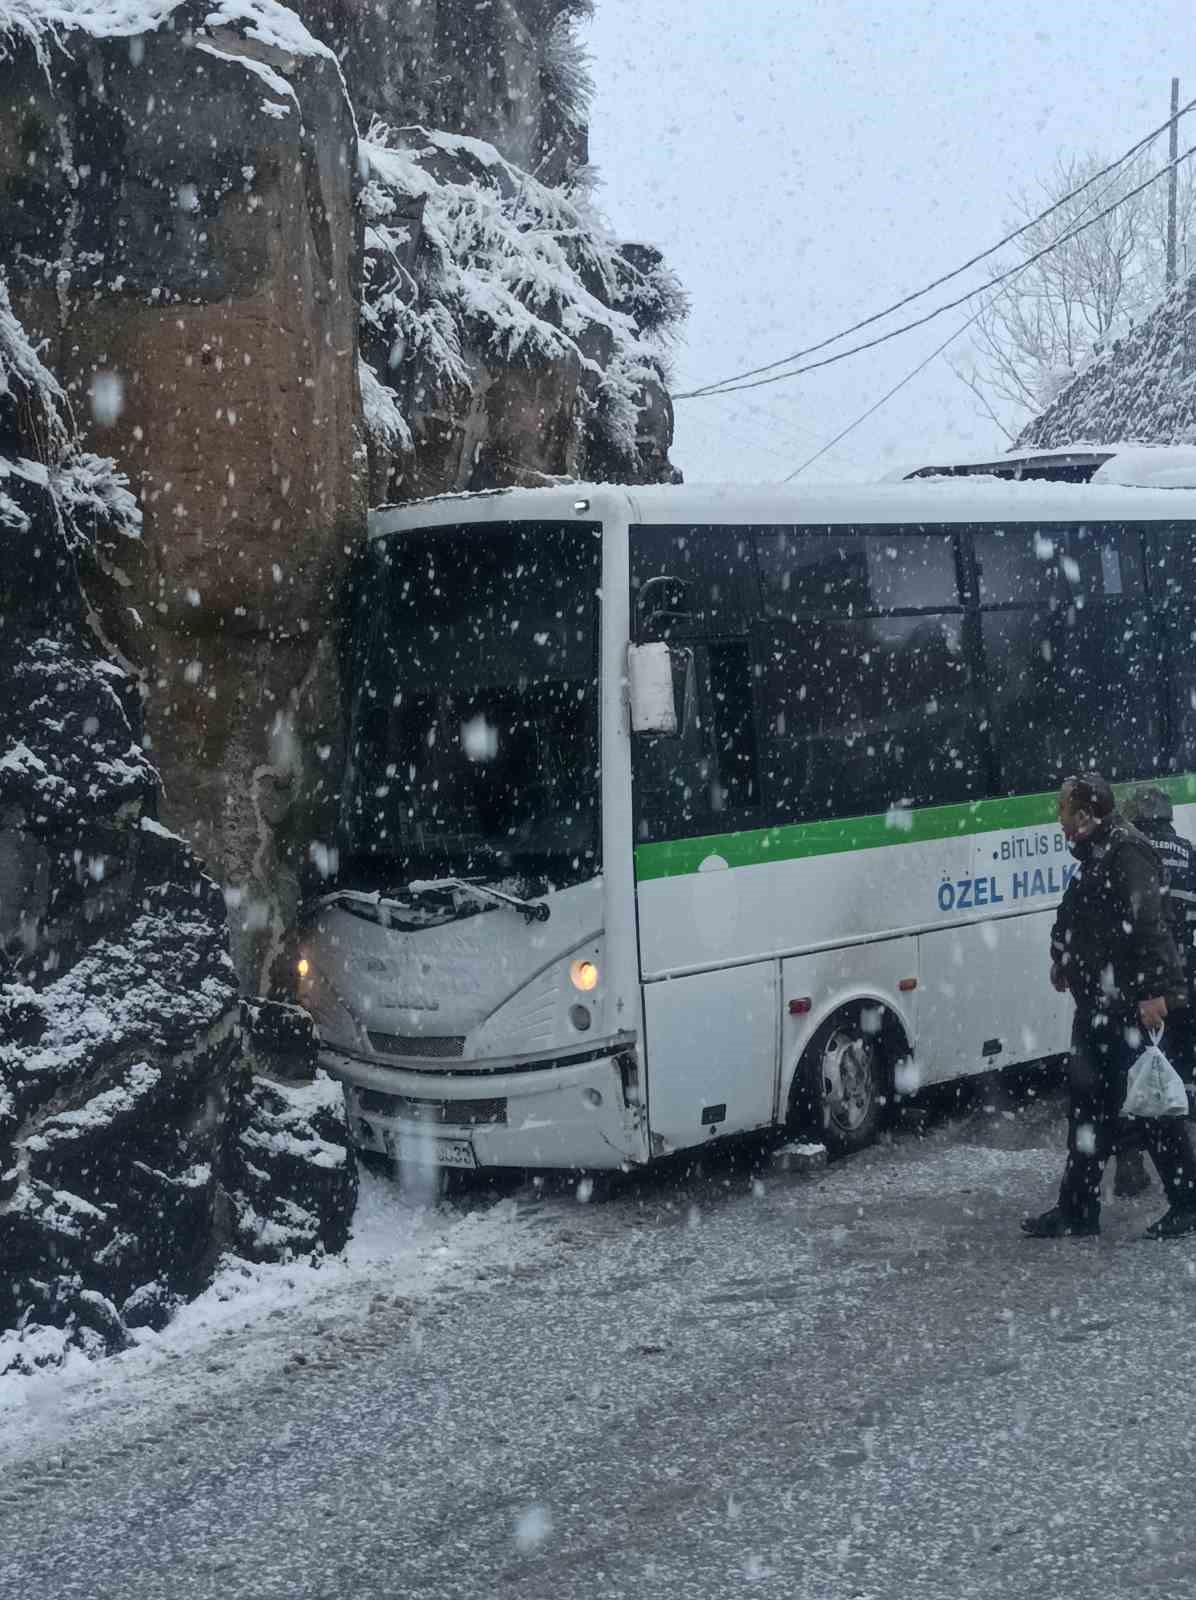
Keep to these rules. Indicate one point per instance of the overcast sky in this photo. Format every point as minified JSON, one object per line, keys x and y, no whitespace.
{"x":804,"y":162}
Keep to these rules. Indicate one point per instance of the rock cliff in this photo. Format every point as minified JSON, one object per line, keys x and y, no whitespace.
{"x":134,"y":1145}
{"x":196,"y":239}
{"x":179,"y":237}
{"x":521,"y":341}
{"x":509,"y":72}
{"x":227,"y":323}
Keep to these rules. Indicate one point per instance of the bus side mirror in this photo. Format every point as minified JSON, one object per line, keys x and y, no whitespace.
{"x":661,"y":604}
{"x":650,"y":689}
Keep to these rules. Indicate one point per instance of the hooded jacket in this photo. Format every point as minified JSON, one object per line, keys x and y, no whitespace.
{"x":1111,"y":938}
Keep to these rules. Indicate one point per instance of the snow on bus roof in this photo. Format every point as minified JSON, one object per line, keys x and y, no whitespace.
{"x":1126,"y":462}
{"x":918,"y":502}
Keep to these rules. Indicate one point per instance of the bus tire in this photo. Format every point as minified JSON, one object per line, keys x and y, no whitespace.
{"x":843,"y":1083}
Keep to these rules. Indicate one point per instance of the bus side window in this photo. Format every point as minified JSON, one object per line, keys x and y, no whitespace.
{"x":697,"y":588}
{"x":1171,"y":563}
{"x":849,"y":572}
{"x":866,"y":714}
{"x":866,"y":688}
{"x":736,"y":760}
{"x":692,"y":582}
{"x":1072,"y":657}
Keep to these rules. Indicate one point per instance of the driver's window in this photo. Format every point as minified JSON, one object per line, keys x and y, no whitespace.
{"x":697,"y":589}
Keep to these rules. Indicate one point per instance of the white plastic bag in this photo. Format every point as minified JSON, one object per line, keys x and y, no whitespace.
{"x":1153,"y":1087}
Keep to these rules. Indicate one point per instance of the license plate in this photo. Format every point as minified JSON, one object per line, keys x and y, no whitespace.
{"x":411,"y":1149}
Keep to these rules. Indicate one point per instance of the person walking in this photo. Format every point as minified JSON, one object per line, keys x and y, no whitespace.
{"x":1112,"y":949}
{"x":1149,"y":809}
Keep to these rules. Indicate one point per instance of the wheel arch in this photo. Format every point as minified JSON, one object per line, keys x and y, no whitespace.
{"x":897,"y":1033}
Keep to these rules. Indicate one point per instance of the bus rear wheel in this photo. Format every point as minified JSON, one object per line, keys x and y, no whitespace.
{"x":841,"y":1085}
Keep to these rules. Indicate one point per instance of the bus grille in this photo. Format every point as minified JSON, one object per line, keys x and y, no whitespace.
{"x":467,"y":1112}
{"x":412,"y":1044}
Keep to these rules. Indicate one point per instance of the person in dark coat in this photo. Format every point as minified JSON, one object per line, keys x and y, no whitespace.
{"x":1151,"y":812}
{"x":1149,"y":809}
{"x":1112,"y":950}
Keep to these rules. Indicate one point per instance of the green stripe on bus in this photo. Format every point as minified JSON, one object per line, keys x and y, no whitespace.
{"x":755,"y":847}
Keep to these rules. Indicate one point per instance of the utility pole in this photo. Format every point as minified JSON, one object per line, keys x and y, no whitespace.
{"x":1172,"y":182}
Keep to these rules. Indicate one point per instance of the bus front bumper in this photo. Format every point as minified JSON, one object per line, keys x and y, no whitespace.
{"x":579,"y":1115}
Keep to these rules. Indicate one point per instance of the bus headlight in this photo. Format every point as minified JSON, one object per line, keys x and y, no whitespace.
{"x":584,"y":975}
{"x":303,"y":966}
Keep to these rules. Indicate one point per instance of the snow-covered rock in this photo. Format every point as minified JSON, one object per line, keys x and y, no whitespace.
{"x":180,"y":226}
{"x":518,"y":340}
{"x":178,"y":231}
{"x":512,"y":72}
{"x":125,"y":1102}
{"x":291,"y":1177}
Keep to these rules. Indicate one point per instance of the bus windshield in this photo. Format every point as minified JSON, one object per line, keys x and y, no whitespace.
{"x":474,"y":716}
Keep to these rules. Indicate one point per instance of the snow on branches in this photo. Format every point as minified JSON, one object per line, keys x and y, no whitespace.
{"x":472,"y":264}
{"x":92,"y":498}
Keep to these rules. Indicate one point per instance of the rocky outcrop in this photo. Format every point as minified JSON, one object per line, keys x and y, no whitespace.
{"x":292,"y":1187}
{"x":507,"y":71}
{"x":1142,"y":390}
{"x":268,"y":322}
{"x":522,"y":342}
{"x":130,"y":1126}
{"x":176,"y":189}
{"x":180,"y":226}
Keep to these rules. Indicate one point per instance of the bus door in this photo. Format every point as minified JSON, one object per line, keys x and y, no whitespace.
{"x":711,"y":1017}
{"x":710,"y":1013}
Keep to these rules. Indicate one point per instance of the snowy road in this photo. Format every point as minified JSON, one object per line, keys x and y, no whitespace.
{"x":853,"y":1387}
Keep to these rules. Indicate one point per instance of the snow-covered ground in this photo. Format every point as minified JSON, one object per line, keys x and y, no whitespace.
{"x":405,"y":1247}
{"x":861,"y":1384}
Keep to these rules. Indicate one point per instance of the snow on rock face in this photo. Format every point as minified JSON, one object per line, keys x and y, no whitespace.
{"x":291,"y":1176}
{"x":177,"y":223}
{"x":520,"y":341}
{"x":514,"y":73}
{"x":124,"y":1098}
{"x":265,"y":21}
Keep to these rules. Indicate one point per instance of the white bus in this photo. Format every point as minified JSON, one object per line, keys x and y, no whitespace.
{"x":678,"y":813}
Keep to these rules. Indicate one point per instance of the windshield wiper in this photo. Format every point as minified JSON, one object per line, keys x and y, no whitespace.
{"x":529,"y":910}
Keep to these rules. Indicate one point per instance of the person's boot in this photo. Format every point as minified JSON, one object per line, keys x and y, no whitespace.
{"x":1131,"y":1177}
{"x":1173,"y":1224}
{"x":1056,"y":1224}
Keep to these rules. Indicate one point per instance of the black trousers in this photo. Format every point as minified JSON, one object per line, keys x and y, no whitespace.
{"x":1103,"y":1048}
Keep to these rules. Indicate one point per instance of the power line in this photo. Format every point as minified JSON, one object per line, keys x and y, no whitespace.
{"x":782,"y":429}
{"x":732,"y":387}
{"x":752,"y":415}
{"x":898,"y":305}
{"x":749,"y":443}
{"x":922,"y":365}
{"x":863,"y":417}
